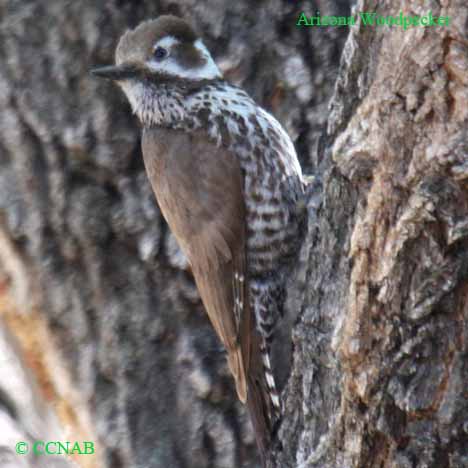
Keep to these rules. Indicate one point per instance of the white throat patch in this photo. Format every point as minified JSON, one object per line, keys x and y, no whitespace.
{"x":169,"y":65}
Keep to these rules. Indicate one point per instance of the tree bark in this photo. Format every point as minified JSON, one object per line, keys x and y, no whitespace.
{"x":95,"y":291}
{"x":96,"y":300}
{"x":380,"y":361}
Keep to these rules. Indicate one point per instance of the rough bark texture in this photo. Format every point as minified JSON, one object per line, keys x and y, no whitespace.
{"x":95,"y":291}
{"x":111,"y":341}
{"x":380,"y":363}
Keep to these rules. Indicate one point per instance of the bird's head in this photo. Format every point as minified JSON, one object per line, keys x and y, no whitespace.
{"x":163,"y":49}
{"x":160,"y":54}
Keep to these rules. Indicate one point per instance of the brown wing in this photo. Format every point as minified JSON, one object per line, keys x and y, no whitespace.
{"x":199,"y":189}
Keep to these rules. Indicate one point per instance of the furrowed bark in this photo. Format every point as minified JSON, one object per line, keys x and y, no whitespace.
{"x":94,"y":290}
{"x":96,"y":301}
{"x":379,"y":375}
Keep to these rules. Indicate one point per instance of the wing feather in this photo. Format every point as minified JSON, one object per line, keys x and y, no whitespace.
{"x":199,"y":188}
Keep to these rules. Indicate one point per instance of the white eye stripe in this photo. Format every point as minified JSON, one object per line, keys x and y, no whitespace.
{"x":207,"y":71}
{"x":198,"y":44}
{"x":166,"y":42}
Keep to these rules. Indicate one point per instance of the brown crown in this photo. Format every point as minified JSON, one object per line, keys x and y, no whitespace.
{"x":138,"y":43}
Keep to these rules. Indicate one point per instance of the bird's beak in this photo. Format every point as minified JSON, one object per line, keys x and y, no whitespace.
{"x":115,"y":72}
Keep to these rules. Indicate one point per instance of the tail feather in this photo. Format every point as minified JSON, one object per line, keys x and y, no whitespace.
{"x":259,"y":416}
{"x":263,"y":402}
{"x":270,"y":381}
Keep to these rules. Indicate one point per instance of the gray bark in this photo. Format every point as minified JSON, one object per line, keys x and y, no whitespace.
{"x":95,"y":292}
{"x":380,"y":363}
{"x":94,"y":282}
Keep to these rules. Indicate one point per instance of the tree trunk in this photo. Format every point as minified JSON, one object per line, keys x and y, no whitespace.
{"x":380,"y":361}
{"x":98,"y":308}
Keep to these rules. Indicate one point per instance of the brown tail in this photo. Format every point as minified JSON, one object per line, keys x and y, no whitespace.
{"x":259,"y":404}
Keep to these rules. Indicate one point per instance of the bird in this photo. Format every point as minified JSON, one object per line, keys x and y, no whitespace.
{"x":229,"y":184}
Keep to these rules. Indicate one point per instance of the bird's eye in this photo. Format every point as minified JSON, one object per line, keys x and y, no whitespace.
{"x":160,"y":53}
